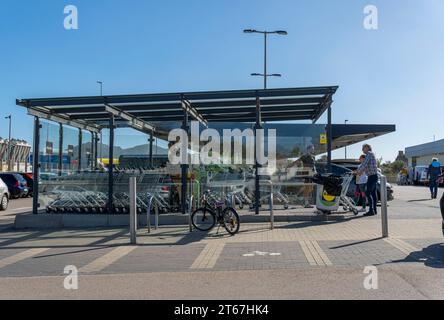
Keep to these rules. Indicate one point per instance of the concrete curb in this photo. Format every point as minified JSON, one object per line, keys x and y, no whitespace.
{"x":60,"y":221}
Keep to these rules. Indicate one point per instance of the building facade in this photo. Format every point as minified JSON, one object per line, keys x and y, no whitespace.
{"x":421,"y":155}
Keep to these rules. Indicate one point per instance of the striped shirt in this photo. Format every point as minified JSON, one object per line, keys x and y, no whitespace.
{"x":369,"y":166}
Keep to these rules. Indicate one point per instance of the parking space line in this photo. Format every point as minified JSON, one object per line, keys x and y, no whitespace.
{"x":107,"y":259}
{"x":21,"y":256}
{"x":314,"y":253}
{"x":208,"y":257}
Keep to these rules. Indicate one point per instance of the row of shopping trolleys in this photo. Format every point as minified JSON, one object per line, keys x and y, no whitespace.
{"x":97,"y":202}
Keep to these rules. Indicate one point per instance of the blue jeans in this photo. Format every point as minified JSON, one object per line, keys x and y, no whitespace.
{"x":434,"y":186}
{"x":371,"y":192}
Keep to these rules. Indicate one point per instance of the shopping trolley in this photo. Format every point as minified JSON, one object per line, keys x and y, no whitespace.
{"x":332,"y":193}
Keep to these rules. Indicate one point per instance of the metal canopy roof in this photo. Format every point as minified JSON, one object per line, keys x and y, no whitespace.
{"x":92,"y":113}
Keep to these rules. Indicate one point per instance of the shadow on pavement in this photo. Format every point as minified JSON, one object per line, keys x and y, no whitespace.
{"x":432,"y":256}
{"x":356,"y":243}
{"x":419,"y":200}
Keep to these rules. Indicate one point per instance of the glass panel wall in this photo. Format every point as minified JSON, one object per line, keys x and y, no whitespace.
{"x":295,"y":153}
{"x":75,"y":188}
{"x":86,"y":154}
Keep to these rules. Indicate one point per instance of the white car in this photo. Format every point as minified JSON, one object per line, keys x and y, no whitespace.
{"x":4,"y":196}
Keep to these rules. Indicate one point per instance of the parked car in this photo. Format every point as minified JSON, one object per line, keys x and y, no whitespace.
{"x":17,"y":185}
{"x":4,"y":196}
{"x":29,"y":180}
{"x":420,"y":175}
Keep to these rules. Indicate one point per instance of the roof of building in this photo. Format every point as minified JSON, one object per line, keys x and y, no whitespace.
{"x":426,"y":149}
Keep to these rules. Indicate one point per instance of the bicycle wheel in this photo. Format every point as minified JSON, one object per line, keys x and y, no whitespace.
{"x":203,"y":219}
{"x":231,"y":220}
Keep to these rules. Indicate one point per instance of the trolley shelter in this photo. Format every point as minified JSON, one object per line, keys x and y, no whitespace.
{"x":90,"y":115}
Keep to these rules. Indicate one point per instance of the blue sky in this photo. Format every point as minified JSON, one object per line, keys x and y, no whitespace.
{"x":391,"y":75}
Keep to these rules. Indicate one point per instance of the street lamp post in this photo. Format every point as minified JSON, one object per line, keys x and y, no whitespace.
{"x":101,"y":87}
{"x":266,"y":33}
{"x":8,"y":155}
{"x":345,"y":122}
{"x":101,"y":136}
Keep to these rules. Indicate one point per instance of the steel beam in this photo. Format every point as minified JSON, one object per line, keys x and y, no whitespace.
{"x":305,"y":109}
{"x":177,"y":97}
{"x":63,"y":119}
{"x":133,"y":121}
{"x":187,"y":107}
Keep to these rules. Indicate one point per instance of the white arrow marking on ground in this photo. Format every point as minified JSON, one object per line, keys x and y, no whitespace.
{"x":260,"y":253}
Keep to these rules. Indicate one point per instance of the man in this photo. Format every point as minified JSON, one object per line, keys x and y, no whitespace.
{"x":370,"y":168}
{"x":433,"y":174}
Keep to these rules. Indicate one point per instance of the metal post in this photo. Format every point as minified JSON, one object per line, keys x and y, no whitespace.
{"x":257,"y":181}
{"x":271,"y":208}
{"x":329,"y":139}
{"x":111,"y":165}
{"x":265,"y":60}
{"x":148,"y":213}
{"x":96,"y":140}
{"x":60,"y":165}
{"x":345,"y":123}
{"x":79,"y":163}
{"x":133,"y":209}
{"x":184,"y":167}
{"x":151,"y":150}
{"x":92,"y":151}
{"x":35,"y":165}
{"x":8,"y":158}
{"x":384,"y":216}
{"x":156,"y":216}
{"x":190,"y":212}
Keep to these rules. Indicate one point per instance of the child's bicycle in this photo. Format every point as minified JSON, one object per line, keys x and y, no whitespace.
{"x":212,"y":212}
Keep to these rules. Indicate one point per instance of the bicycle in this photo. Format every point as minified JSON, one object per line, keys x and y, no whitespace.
{"x":212,"y":212}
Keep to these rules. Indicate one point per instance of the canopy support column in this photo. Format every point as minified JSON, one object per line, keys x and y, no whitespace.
{"x":151,"y":150}
{"x":79,"y":163}
{"x":60,"y":164}
{"x":258,"y":125}
{"x":111,"y":165}
{"x":92,"y":150}
{"x":329,"y":138}
{"x":184,"y":166}
{"x":96,"y":140}
{"x":35,"y":165}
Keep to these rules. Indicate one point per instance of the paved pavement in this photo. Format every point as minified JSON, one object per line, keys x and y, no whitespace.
{"x":15,"y":206}
{"x":297,"y":260}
